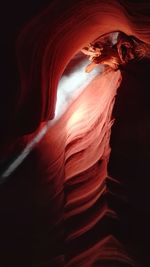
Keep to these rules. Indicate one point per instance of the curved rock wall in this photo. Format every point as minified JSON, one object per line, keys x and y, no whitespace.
{"x":60,"y":207}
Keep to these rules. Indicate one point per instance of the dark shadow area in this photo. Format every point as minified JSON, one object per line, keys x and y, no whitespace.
{"x":130,"y":155}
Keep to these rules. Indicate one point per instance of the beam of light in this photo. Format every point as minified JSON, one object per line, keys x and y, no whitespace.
{"x":68,"y":89}
{"x":22,"y":156}
{"x":72,"y":85}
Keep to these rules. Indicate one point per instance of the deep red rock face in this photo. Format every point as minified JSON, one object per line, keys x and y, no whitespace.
{"x":61,"y":204}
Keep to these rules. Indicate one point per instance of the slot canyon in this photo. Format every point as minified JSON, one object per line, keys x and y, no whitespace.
{"x":74,"y":146}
